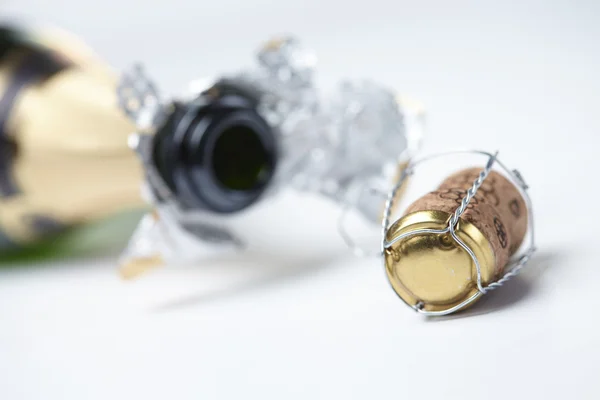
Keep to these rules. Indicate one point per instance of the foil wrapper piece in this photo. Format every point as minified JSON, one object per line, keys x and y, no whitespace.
{"x":349,"y":146}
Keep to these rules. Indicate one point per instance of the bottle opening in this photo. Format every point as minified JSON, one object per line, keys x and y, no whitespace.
{"x":240,"y":160}
{"x":216,"y":154}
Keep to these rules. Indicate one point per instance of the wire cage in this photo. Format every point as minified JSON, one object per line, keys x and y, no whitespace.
{"x":514,"y":265}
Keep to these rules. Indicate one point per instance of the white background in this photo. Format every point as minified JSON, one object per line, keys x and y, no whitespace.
{"x":303,"y":319}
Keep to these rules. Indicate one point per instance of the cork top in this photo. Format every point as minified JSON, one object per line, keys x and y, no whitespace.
{"x":432,"y":268}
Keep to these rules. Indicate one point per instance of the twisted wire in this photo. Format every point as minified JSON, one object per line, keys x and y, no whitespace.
{"x":471,"y":192}
{"x":513,"y":271}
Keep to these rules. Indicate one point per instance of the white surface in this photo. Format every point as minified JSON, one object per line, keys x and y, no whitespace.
{"x":303,"y":320}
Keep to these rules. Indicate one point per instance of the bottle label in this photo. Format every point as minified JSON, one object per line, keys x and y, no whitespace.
{"x":36,"y":66}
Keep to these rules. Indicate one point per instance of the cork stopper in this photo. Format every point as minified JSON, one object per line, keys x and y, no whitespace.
{"x":431,"y":270}
{"x":498,"y":210}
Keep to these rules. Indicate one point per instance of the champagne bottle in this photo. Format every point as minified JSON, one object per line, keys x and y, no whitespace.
{"x":64,"y":158}
{"x":79,"y":143}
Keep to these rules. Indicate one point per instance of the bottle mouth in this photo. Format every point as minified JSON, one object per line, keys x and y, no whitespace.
{"x":216,"y":153}
{"x":240,"y":160}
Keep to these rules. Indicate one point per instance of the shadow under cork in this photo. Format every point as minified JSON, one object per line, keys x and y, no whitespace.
{"x":512,"y":292}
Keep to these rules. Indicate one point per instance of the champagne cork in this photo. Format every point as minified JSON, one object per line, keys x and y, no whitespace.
{"x":431,"y":270}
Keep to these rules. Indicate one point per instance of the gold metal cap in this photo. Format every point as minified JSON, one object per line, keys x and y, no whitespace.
{"x":432,"y":269}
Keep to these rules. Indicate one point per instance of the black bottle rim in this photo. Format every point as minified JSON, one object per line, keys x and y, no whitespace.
{"x":191,"y":138}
